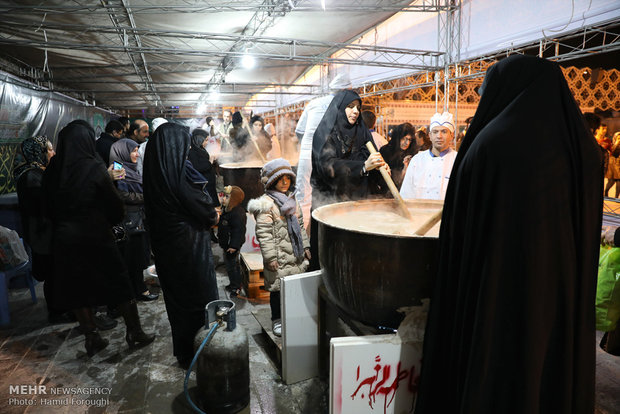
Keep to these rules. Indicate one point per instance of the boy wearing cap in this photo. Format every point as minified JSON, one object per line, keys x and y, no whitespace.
{"x":279,"y":222}
{"x":429,"y":171}
{"x":231,"y":234}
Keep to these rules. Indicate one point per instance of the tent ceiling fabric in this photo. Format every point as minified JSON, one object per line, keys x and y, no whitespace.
{"x":158,"y":54}
{"x":164,"y":53}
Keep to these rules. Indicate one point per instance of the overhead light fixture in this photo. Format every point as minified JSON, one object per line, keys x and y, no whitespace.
{"x":323,"y":4}
{"x":214,"y":95}
{"x":201,"y":108}
{"x":248,"y":61}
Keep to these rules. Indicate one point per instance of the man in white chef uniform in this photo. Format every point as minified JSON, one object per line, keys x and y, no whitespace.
{"x":310,"y":118}
{"x":429,"y":171}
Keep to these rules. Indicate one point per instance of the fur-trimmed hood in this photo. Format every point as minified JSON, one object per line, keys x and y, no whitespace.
{"x":260,"y":205}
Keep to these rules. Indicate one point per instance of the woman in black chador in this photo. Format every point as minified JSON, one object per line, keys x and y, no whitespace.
{"x":341,"y":163}
{"x":83,"y":205}
{"x":511,"y":323}
{"x":180,"y":214}
{"x":201,"y":161}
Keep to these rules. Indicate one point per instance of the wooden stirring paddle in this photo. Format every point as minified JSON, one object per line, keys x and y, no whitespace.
{"x":428,"y":224}
{"x":390,"y":183}
{"x":260,"y":154}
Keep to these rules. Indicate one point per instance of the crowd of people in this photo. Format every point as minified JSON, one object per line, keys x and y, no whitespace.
{"x":498,"y":321}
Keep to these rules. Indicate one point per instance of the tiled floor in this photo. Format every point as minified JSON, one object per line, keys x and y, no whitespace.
{"x":149,"y":380}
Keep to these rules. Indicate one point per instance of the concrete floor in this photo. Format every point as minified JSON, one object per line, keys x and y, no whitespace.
{"x":148,"y":380}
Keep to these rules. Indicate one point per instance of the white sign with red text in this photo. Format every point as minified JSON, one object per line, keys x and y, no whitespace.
{"x":373,"y":374}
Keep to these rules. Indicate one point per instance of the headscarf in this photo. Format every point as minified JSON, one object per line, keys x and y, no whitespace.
{"x":392,"y":153}
{"x":172,"y":187}
{"x":75,"y":158}
{"x":513,"y":302}
{"x":257,"y":118}
{"x":199,"y":156}
{"x":34,"y":151}
{"x":237,"y":118}
{"x":155,"y":123}
{"x":121,"y":152}
{"x":342,"y":123}
{"x":208,"y":127}
{"x":198,"y":138}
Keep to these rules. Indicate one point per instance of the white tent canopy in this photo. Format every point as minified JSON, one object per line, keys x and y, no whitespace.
{"x":487,"y":27}
{"x":156,"y":55}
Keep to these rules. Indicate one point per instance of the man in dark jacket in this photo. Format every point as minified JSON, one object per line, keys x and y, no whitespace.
{"x":231,"y":234}
{"x":113,"y":132}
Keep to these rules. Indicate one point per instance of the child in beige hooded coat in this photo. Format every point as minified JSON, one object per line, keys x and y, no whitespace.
{"x":280,"y":231}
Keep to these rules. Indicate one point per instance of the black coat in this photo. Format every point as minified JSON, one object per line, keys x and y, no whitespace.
{"x":83,"y":204}
{"x":36,"y":226}
{"x":231,"y":228}
{"x":180,"y":214}
{"x":103,"y":145}
{"x":511,"y":321}
{"x":200,"y":160}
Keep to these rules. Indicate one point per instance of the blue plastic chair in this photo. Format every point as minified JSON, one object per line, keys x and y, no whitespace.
{"x":6,"y":276}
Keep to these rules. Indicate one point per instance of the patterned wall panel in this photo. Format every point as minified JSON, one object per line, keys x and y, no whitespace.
{"x":593,"y":88}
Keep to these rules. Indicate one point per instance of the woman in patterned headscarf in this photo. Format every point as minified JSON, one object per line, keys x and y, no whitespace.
{"x":34,"y":151}
{"x":36,"y":227}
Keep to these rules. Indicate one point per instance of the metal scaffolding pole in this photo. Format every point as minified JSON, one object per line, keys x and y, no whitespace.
{"x":449,"y":41}
{"x":272,"y":7}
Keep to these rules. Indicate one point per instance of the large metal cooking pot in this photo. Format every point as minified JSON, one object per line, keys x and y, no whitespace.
{"x":368,"y":271}
{"x":245,"y":175}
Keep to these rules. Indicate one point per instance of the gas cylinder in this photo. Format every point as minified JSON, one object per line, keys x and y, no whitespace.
{"x":223,"y":366}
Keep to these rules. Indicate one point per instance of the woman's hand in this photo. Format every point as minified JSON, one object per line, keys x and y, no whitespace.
{"x":406,"y":160}
{"x":116,"y":174}
{"x":374,"y":161}
{"x":307,"y":254}
{"x":272,"y":265}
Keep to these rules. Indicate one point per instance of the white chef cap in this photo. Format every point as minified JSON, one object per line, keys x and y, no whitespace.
{"x":445,"y":120}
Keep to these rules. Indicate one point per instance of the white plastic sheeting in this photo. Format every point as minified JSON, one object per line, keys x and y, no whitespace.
{"x":487,"y":27}
{"x":25,"y":112}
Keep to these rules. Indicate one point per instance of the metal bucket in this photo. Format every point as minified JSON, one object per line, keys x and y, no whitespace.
{"x":370,"y":273}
